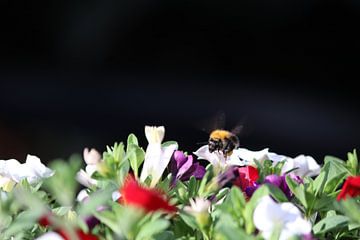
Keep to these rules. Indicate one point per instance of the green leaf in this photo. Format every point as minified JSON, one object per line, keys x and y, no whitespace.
{"x":166,"y":235}
{"x":331,"y":176}
{"x":136,"y":157}
{"x":351,"y":208}
{"x":298,"y":190}
{"x":109,"y":219}
{"x":96,"y":199}
{"x":168,"y":143}
{"x":61,"y":211}
{"x":189,"y":220}
{"x":192,"y":187}
{"x":352,"y":163}
{"x":330,"y":223}
{"x":226,"y":229}
{"x":151,"y":228}
{"x":132,"y":140}
{"x":63,"y":185}
{"x":24,"y":221}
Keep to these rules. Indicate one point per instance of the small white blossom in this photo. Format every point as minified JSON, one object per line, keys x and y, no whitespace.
{"x":269,"y":215}
{"x":157,"y":157}
{"x":12,"y":171}
{"x":199,"y":205}
{"x":92,"y":158}
{"x":115,"y":195}
{"x":82,"y":195}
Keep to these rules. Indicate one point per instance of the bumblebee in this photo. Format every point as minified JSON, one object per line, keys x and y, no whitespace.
{"x":223,"y":141}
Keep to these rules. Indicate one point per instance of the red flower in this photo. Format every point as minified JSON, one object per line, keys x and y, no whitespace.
{"x":351,"y":188}
{"x":247,"y":177}
{"x":148,"y":199}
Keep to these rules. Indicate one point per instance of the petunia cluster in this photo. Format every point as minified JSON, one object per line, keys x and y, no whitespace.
{"x":162,"y":191}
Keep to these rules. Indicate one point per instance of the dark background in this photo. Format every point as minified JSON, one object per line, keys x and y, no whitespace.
{"x":77,"y":74}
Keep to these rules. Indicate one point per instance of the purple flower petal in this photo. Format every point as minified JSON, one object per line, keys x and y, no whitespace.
{"x":228,"y":176}
{"x":199,"y":171}
{"x":274,"y":179}
{"x":185,"y":166}
{"x":180,"y":158}
{"x":195,"y":170}
{"x":182,"y":167}
{"x":249,"y":191}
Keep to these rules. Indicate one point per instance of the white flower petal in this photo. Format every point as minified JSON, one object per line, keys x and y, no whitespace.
{"x":314,"y":167}
{"x":263,"y":214}
{"x":115,"y":195}
{"x":152,"y":159}
{"x":158,"y":169}
{"x":306,"y":166}
{"x":276,"y":157}
{"x":268,"y":214}
{"x":156,"y":157}
{"x":82,"y":195}
{"x":92,"y":156}
{"x":32,"y":170}
{"x":90,"y":169}
{"x":154,"y":134}
{"x":50,"y":236}
{"x":83,"y":178}
{"x":248,"y":156}
{"x":199,"y":205}
{"x":299,"y":226}
{"x":39,"y":169}
{"x":215,"y":158}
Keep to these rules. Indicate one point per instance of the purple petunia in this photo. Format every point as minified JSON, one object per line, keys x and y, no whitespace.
{"x":182,"y":167}
{"x":280,"y":182}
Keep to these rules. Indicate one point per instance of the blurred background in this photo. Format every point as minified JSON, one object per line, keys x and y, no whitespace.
{"x":77,"y":74}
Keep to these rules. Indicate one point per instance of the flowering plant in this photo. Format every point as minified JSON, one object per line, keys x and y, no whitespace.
{"x":165,"y":193}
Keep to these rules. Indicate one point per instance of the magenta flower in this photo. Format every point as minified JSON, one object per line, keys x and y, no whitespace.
{"x":182,"y":167}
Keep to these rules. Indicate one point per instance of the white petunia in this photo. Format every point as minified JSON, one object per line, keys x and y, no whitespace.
{"x":247,"y":157}
{"x":269,"y":215}
{"x":157,"y":157}
{"x":306,"y":166}
{"x":12,"y":171}
{"x":239,"y":156}
{"x":215,"y":158}
{"x":50,"y":236}
{"x":92,"y":158}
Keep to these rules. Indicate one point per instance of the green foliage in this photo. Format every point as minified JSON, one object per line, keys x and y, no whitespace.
{"x":63,"y":186}
{"x":136,"y":154}
{"x":268,"y":168}
{"x":229,"y":217}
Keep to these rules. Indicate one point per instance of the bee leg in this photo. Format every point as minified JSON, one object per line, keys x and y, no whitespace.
{"x":228,"y":148}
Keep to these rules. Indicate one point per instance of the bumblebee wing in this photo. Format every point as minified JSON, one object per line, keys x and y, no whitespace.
{"x":217,"y":121}
{"x":237,"y":129}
